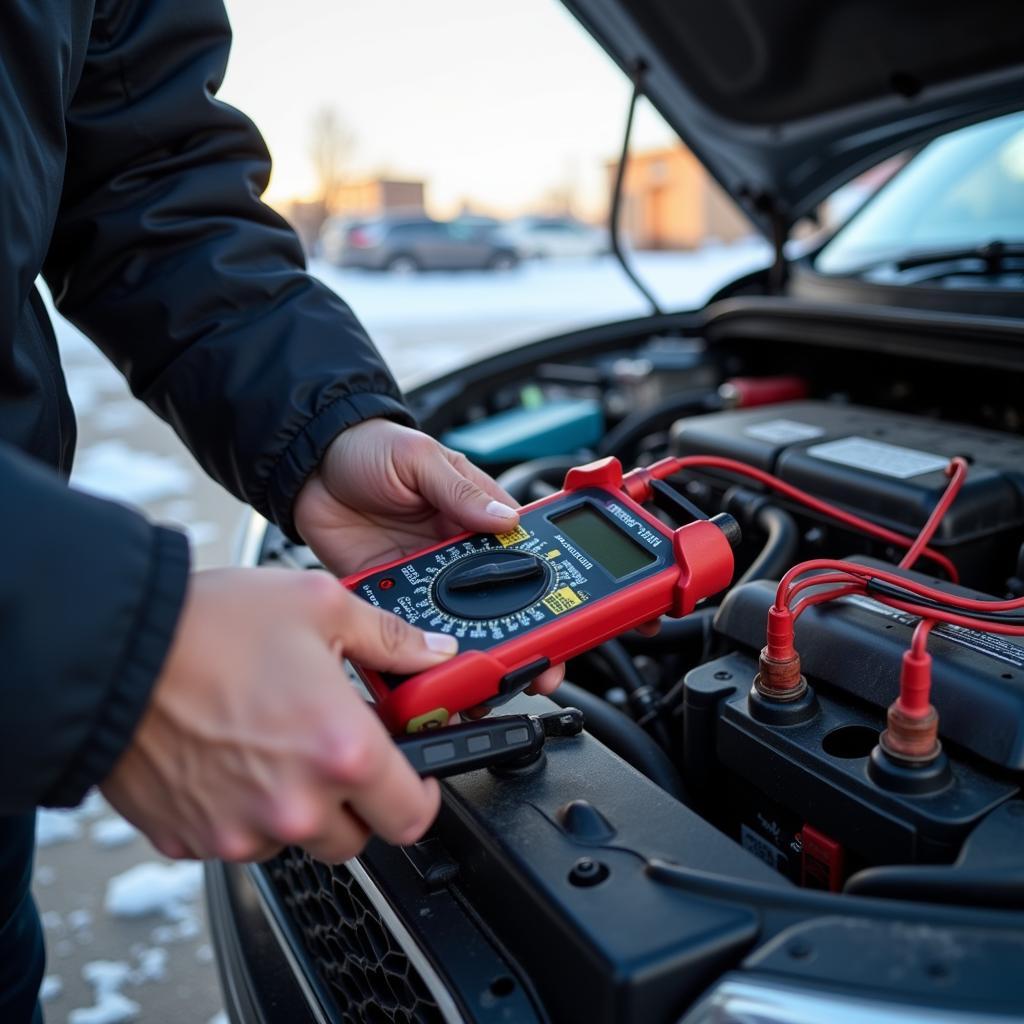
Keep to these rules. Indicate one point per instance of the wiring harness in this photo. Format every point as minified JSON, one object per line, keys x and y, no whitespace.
{"x":912,"y":733}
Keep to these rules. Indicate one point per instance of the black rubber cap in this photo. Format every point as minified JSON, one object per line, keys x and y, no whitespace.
{"x":728,"y":525}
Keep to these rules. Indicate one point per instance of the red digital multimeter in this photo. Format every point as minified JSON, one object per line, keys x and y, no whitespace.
{"x":583,"y":566}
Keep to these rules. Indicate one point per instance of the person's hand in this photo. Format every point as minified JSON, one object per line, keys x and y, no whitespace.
{"x":254,"y":737}
{"x":383,"y":491}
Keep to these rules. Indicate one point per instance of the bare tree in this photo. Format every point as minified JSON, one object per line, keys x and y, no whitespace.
{"x":331,"y":146}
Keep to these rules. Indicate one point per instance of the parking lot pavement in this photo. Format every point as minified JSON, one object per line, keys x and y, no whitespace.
{"x":134,"y":946}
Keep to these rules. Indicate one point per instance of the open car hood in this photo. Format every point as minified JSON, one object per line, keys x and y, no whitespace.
{"x":785,"y":101}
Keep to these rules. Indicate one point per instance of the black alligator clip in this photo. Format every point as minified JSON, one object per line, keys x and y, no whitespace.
{"x":486,"y":743}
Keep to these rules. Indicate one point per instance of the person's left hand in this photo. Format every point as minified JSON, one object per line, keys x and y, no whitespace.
{"x":383,"y":491}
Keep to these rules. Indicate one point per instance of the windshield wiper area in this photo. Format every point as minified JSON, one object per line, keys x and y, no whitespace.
{"x":992,"y":257}
{"x":993,"y":254}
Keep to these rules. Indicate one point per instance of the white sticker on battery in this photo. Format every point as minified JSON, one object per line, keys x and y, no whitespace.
{"x":879,"y":457}
{"x":783,"y":431}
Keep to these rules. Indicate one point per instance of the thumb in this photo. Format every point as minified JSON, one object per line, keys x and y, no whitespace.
{"x":465,"y":494}
{"x":381,"y":640}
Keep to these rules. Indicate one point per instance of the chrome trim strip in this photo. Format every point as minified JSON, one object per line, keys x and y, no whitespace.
{"x":433,"y":981}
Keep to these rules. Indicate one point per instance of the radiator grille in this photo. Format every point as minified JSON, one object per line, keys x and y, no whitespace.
{"x":357,"y":957}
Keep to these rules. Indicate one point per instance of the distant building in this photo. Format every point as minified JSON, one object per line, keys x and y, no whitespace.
{"x":671,"y":202}
{"x":378,"y":195}
{"x":354,"y":199}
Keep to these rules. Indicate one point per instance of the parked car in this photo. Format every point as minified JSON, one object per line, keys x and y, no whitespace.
{"x":715,"y":848}
{"x":406,"y":245}
{"x":554,"y":237}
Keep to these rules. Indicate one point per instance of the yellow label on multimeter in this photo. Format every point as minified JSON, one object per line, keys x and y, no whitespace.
{"x":512,"y":537}
{"x":562,"y":600}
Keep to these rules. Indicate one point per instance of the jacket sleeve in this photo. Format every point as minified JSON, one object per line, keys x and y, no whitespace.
{"x":90,"y":593}
{"x":166,"y":257}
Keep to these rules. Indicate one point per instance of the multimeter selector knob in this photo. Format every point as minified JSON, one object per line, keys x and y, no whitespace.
{"x":492,"y":584}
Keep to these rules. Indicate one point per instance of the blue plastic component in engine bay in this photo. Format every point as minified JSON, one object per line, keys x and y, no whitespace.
{"x":554,"y":428}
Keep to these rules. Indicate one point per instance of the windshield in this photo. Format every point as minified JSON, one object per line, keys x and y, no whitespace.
{"x":963,"y":190}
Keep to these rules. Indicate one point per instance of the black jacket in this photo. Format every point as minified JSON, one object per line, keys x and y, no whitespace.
{"x":136,"y":193}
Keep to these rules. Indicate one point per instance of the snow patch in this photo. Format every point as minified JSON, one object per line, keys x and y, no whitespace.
{"x":202,"y":532}
{"x":185,"y":929}
{"x":117,"y":416}
{"x":154,"y":888}
{"x":93,"y":805}
{"x":87,"y":383}
{"x":110,"y":1005}
{"x":79,"y":919}
{"x":51,"y":988}
{"x":64,"y":825}
{"x":152,"y":966}
{"x":53,"y":827}
{"x":111,"y":469}
{"x":180,"y":510}
{"x":111,"y":832}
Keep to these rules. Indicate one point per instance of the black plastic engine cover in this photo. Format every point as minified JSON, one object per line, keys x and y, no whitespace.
{"x":887,"y":466}
{"x":855,"y":644}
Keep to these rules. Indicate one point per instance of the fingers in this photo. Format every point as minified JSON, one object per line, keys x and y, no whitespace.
{"x":651,"y":628}
{"x":370,"y":636}
{"x":483,"y":480}
{"x":460,"y":491}
{"x":343,"y":837}
{"x":548,"y":681}
{"x":376,"y":780}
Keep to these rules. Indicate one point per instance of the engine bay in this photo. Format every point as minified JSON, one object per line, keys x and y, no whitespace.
{"x":708,"y":824}
{"x":801,"y":785}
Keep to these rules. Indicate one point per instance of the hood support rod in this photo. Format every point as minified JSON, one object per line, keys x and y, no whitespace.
{"x":617,"y":190}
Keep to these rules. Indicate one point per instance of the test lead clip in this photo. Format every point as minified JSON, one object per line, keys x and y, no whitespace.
{"x":486,"y":743}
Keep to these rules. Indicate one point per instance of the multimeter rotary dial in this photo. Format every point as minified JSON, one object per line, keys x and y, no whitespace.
{"x":491,"y":584}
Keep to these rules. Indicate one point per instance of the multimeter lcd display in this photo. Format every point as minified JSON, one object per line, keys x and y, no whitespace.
{"x":609,"y":546}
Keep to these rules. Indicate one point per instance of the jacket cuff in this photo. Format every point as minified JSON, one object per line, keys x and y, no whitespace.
{"x":307,"y":448}
{"x":147,"y":647}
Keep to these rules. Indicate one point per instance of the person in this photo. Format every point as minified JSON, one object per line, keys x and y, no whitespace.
{"x":212,"y":709}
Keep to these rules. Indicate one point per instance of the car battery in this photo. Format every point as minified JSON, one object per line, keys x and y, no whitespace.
{"x":889,"y":467}
{"x":854,"y":645}
{"x":798,"y":791}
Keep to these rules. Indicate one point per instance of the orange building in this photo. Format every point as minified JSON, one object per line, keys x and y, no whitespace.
{"x":671,"y":202}
{"x":376,"y":196}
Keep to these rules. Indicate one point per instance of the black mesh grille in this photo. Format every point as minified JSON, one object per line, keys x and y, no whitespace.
{"x":358,"y":959}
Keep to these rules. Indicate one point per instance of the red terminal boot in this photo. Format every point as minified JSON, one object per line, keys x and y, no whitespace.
{"x":912,"y":735}
{"x":779,"y":677}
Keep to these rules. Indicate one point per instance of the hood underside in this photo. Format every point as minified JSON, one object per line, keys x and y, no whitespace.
{"x":784,"y":101}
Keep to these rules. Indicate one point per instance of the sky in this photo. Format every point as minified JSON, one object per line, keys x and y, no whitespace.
{"x":490,"y":103}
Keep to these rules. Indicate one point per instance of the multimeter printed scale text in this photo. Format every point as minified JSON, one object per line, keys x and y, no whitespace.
{"x":487,"y":589}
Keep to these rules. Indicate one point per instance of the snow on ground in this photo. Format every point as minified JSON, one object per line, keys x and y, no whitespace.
{"x":51,"y":988}
{"x":113,"y":469}
{"x":155,"y":888}
{"x":64,"y":826}
{"x":111,"y":1005}
{"x":110,"y":832}
{"x":432,"y":322}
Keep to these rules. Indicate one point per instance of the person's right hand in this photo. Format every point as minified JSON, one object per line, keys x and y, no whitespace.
{"x":254,"y":737}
